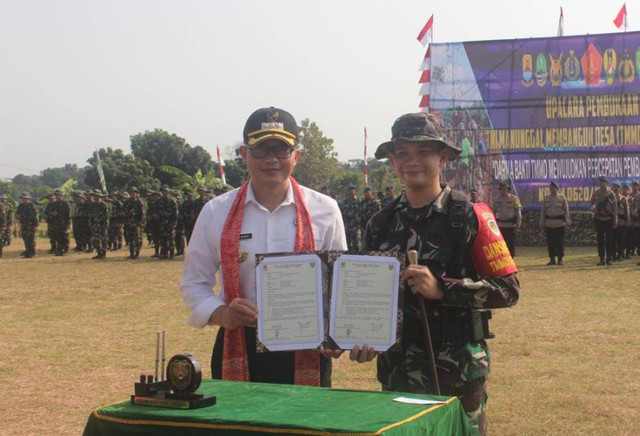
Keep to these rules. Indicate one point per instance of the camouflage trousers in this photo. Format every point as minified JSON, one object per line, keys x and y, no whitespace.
{"x":99,"y":239}
{"x":115,"y":236}
{"x":167,"y":241}
{"x":60,"y":238}
{"x":134,"y":236}
{"x":179,"y":241}
{"x":6,"y":236}
{"x":29,"y":238}
{"x":353,"y":239}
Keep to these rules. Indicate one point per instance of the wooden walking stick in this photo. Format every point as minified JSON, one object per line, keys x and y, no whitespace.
{"x":413,"y":260}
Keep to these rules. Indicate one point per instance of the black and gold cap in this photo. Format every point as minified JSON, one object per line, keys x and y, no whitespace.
{"x":270,"y":123}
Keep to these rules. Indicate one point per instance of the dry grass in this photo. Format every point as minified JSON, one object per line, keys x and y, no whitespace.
{"x":75,"y":333}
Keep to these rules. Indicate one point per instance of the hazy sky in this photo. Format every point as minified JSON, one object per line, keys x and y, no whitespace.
{"x":75,"y":75}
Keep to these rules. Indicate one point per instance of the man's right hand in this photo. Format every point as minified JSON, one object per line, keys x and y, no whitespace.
{"x":239,"y":313}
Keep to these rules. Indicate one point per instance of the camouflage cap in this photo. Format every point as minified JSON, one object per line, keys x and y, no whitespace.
{"x":164,"y":188}
{"x":57,"y":192}
{"x":3,"y":196}
{"x":97,"y":192}
{"x":125,"y":195}
{"x":133,"y":189}
{"x":201,"y":188}
{"x":418,"y":127}
{"x":25,"y":195}
{"x":88,"y":192}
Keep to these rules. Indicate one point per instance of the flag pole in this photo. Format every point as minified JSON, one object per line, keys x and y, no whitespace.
{"x":365,"y":169}
{"x":222,"y":175}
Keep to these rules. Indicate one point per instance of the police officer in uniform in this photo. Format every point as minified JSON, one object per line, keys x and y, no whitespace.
{"x":605,"y":209}
{"x":350,"y":209}
{"x":452,"y":278}
{"x":508,"y":215}
{"x":624,"y":218}
{"x":554,"y":219}
{"x":635,"y":218}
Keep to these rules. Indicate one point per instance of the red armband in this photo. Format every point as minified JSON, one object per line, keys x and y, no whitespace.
{"x":490,"y":253}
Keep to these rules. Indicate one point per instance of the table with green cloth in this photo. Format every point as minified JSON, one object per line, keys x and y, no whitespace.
{"x":261,"y":408}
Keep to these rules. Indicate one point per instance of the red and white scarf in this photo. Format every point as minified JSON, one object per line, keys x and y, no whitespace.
{"x":234,"y":357}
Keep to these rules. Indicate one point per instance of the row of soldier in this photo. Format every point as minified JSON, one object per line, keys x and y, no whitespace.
{"x":101,"y":221}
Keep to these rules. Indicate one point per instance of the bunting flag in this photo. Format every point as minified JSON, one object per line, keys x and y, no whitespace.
{"x":621,"y":18}
{"x":365,"y":169}
{"x":103,"y":182}
{"x":561,"y":23}
{"x":224,"y":180}
{"x":426,"y":34}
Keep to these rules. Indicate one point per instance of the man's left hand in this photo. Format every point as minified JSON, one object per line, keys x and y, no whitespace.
{"x":421,"y":281}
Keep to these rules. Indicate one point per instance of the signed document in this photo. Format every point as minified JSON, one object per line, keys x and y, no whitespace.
{"x":364,"y":304}
{"x":289,"y":297}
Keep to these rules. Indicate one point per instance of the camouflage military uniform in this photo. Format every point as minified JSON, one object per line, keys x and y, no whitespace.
{"x":5,"y":236}
{"x":134,"y":220}
{"x":554,"y":217}
{"x":509,"y":217}
{"x":605,"y":208}
{"x":3,"y":224}
{"x":463,"y":363}
{"x":168,"y":209}
{"x":153,"y":223}
{"x":187,"y":212}
{"x":27,"y":216}
{"x":368,"y":208}
{"x":350,"y":209}
{"x":115,"y":224}
{"x":82,"y":229}
{"x":59,"y":223}
{"x":99,"y":222}
{"x":179,"y":231}
{"x":46,"y":215}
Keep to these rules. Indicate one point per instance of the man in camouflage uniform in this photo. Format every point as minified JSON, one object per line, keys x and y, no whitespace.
{"x":619,"y":233}
{"x":369,"y":206}
{"x":168,"y":209}
{"x":99,"y":222}
{"x":187,"y":213}
{"x":350,"y":209}
{"x":134,"y":221}
{"x":153,"y":221}
{"x":5,"y":236}
{"x":179,"y":232}
{"x":124,"y":197}
{"x":200,"y":202}
{"x":27,"y":216}
{"x":473,"y":196}
{"x":628,"y":243}
{"x":115,"y":222}
{"x":3,"y":223}
{"x":462,"y":269}
{"x":605,"y":208}
{"x":60,"y":223}
{"x":508,"y":213}
{"x":81,"y":228}
{"x":389,"y":196}
{"x":47,"y":219}
{"x":554,"y":219}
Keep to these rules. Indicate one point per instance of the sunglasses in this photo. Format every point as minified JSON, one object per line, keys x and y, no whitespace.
{"x":280,"y":151}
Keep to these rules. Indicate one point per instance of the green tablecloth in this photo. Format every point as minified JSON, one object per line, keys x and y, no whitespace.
{"x":260,"y":408}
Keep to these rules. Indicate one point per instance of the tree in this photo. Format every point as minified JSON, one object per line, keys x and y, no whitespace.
{"x":54,"y":177}
{"x":160,"y":148}
{"x":183,"y":180}
{"x":318,"y":164}
{"x":235,"y":170}
{"x":121,"y":171}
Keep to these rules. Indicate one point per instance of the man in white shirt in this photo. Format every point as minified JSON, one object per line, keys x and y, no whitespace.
{"x":269,"y":213}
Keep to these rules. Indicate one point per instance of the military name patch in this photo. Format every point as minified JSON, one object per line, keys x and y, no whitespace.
{"x":272,"y":126}
{"x":246,"y":236}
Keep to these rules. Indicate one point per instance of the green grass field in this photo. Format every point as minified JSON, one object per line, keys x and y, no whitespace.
{"x":75,"y":334}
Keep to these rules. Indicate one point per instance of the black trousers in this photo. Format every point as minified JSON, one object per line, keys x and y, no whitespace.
{"x":268,"y":367}
{"x":555,"y":241}
{"x":604,"y":234}
{"x":619,"y":240}
{"x":509,"y":235}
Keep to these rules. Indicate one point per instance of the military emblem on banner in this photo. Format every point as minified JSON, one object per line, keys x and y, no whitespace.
{"x":572,"y":67}
{"x":627,"y":70}
{"x":591,"y":66}
{"x":610,"y":62}
{"x":527,"y":70}
{"x":541,"y":70}
{"x":555,"y":70}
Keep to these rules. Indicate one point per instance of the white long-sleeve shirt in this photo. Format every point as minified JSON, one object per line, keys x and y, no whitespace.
{"x":262,"y":232}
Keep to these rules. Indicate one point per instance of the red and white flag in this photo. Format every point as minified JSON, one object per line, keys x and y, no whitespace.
{"x":224,"y":179}
{"x":621,"y":18}
{"x":561,"y":23}
{"x":426,"y":34}
{"x":365,"y":169}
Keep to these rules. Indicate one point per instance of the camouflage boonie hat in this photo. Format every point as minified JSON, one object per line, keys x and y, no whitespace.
{"x":165,"y":188}
{"x":25,"y":195}
{"x":97,"y":192}
{"x":419,"y":127}
{"x":3,"y":196}
{"x":57,"y":192}
{"x":133,"y":189}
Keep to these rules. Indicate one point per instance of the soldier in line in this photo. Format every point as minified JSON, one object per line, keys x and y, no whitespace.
{"x":554,"y":219}
{"x":168,"y":210}
{"x":605,"y":208}
{"x":326,"y":190}
{"x":60,"y":223}
{"x":8,"y":210}
{"x":635,"y":218}
{"x":624,"y":220}
{"x":124,"y":198}
{"x":179,"y":232}
{"x":115,"y":222}
{"x":200,"y":202}
{"x":74,"y":219}
{"x":3,"y":223}
{"x":46,"y":215}
{"x":350,"y":209}
{"x":27,"y":216}
{"x":134,"y":221}
{"x":99,"y":222}
{"x":187,"y":213}
{"x":82,"y":229}
{"x":508,"y":213}
{"x":369,"y":206}
{"x":153,"y":222}
{"x":389,"y":196}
